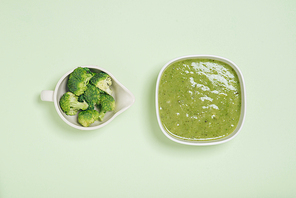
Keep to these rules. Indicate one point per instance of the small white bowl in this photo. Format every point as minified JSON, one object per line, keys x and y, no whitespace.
{"x":243,"y":102}
{"x":123,"y":100}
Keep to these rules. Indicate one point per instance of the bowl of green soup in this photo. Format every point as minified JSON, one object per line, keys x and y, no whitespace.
{"x":200,"y":100}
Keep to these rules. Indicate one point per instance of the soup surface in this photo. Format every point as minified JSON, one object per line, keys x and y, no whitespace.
{"x":199,"y":99}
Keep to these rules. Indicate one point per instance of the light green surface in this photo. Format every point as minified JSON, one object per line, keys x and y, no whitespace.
{"x":41,"y":156}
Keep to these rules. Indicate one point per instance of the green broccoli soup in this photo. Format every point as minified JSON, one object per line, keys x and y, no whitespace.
{"x":199,"y":99}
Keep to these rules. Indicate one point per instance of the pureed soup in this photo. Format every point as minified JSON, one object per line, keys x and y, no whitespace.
{"x":199,"y":99}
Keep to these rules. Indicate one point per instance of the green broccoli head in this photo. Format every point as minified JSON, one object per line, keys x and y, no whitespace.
{"x":107,"y":104}
{"x":102,"y":81}
{"x":91,"y":106}
{"x":81,"y":98}
{"x":78,"y":80}
{"x":91,"y":96}
{"x":70,"y":104}
{"x":86,"y":118}
{"x":88,"y":70}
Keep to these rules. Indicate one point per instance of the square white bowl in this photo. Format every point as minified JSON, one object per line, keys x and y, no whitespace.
{"x":243,"y":102}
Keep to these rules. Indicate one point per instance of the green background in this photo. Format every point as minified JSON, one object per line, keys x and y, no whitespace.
{"x":41,"y":156}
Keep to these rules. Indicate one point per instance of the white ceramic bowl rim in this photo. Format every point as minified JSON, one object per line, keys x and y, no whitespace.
{"x":243,"y":102}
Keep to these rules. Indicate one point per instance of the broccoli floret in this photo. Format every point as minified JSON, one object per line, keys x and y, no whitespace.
{"x":107,"y":104}
{"x":91,"y":96}
{"x":102,"y":81}
{"x":88,"y":70}
{"x":81,"y":98}
{"x":78,"y":80}
{"x":91,"y":106}
{"x":86,"y":118}
{"x":70,"y":105}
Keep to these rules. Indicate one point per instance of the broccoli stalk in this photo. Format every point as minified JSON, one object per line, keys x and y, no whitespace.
{"x":107,"y":104}
{"x":86,"y":118}
{"x":78,"y":80}
{"x":70,"y":105}
{"x":102,"y":81}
